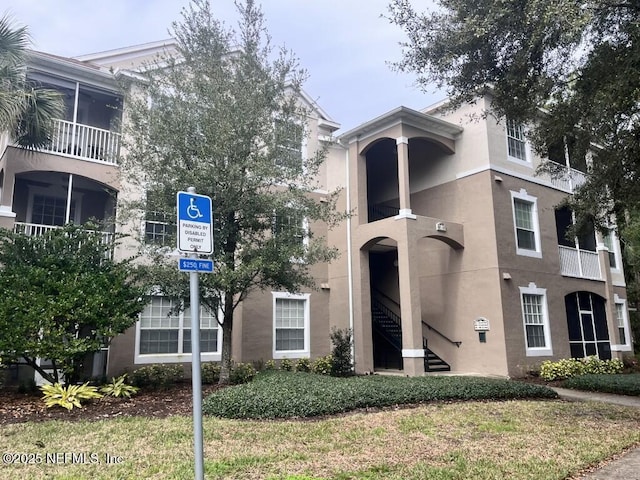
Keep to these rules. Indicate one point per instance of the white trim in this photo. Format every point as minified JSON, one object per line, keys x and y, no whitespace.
{"x":527,"y":148}
{"x":404,"y":140}
{"x":306,"y":351}
{"x":148,"y":358}
{"x":5,"y":211}
{"x":405,"y":213}
{"x":625,"y":347}
{"x":512,"y":173}
{"x":546,"y":351}
{"x":413,"y":353}
{"x":523,"y":196}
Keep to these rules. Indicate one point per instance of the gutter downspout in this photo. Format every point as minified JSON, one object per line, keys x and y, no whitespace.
{"x":349,"y":260}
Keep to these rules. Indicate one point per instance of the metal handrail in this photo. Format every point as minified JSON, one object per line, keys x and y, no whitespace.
{"x":457,"y":344}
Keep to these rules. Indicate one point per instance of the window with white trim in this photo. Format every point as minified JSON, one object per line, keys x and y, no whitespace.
{"x":292,"y":228}
{"x":159,"y":229}
{"x":610,"y":242}
{"x":525,"y":220}
{"x":288,"y":143}
{"x":623,"y":335}
{"x":516,"y":142}
{"x":535,"y":318}
{"x":291,"y":334}
{"x":164,"y":335}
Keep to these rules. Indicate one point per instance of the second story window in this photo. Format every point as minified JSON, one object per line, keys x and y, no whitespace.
{"x":288,"y":144}
{"x":525,"y":218}
{"x":516,"y":142}
{"x":159,"y":229}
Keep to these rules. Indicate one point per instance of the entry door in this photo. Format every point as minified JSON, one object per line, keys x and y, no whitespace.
{"x":587,"y":325}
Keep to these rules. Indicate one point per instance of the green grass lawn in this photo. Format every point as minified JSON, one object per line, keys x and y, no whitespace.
{"x":540,"y":439}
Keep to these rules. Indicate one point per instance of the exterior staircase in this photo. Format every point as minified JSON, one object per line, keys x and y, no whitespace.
{"x":387,"y":326}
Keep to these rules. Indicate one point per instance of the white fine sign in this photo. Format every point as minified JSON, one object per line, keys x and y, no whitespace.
{"x":195,"y":232}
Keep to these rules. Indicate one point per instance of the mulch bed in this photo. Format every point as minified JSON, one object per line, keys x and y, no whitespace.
{"x":28,"y":407}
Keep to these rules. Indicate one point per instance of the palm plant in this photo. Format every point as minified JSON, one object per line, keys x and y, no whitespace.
{"x":27,"y":110}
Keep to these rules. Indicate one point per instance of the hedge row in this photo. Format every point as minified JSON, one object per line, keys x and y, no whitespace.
{"x":572,"y":367}
{"x":281,"y":394}
{"x":623,"y":384}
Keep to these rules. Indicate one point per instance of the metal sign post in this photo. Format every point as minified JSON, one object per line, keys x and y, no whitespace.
{"x":195,"y":236}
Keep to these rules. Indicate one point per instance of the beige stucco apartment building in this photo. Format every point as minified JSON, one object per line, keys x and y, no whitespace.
{"x":454,"y":257}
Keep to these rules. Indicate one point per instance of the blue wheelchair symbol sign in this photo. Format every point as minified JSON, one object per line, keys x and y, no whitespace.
{"x":195,"y":231}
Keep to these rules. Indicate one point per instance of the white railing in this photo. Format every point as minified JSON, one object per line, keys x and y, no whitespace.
{"x":564,"y":178}
{"x":579,"y":263}
{"x":84,"y":142}
{"x":36,"y":230}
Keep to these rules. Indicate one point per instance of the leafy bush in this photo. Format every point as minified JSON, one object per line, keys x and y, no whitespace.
{"x":322,"y":365}
{"x":157,"y":376}
{"x":621,"y":384}
{"x":242,"y":373}
{"x":295,"y":394}
{"x":286,"y":365}
{"x":303,"y":365}
{"x":210,"y":373}
{"x":68,"y":397}
{"x":119,"y":388}
{"x":341,"y":365}
{"x":572,"y":367}
{"x":270,"y":365}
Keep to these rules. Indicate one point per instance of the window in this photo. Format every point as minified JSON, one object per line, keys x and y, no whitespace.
{"x":159,"y":229}
{"x":291,"y":325}
{"x":516,"y":142}
{"x":291,"y":227}
{"x":525,"y":217}
{"x":622,"y":326}
{"x":587,"y":325}
{"x":610,"y":243}
{"x":47,"y":210}
{"x":289,"y":143}
{"x":164,"y":335}
{"x":536,"y":321}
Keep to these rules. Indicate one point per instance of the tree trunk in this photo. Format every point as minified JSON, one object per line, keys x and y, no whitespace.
{"x":47,"y":376}
{"x":227,"y":330}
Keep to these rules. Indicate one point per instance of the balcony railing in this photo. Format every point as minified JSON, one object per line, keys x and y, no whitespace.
{"x":565,"y":178}
{"x":84,"y":142}
{"x":36,"y":230}
{"x":579,"y":263}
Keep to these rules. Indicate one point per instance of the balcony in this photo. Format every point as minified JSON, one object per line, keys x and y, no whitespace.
{"x":579,"y":263}
{"x":564,"y":178}
{"x":36,"y":230}
{"x":84,"y":142}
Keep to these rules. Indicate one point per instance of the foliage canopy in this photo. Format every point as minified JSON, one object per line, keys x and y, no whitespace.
{"x":223,"y":113}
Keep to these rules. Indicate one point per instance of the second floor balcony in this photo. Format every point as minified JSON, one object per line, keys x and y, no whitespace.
{"x":84,"y":142}
{"x":579,"y":263}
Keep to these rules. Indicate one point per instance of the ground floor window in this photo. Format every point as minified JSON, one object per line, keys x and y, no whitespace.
{"x":623,"y":336}
{"x":587,"y":325}
{"x":164,"y":334}
{"x":290,"y":325}
{"x":536,"y":320}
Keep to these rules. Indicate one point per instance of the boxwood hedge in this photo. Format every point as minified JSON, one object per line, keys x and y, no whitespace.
{"x":623,"y":384}
{"x":279,"y":394}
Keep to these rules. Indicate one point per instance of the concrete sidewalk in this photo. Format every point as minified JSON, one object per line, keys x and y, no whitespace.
{"x":627,"y":467}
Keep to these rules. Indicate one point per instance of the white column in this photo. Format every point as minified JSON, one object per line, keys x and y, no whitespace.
{"x":404,"y":190}
{"x":67,"y":216}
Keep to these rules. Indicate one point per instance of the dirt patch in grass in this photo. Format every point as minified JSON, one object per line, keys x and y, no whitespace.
{"x":28,"y":407}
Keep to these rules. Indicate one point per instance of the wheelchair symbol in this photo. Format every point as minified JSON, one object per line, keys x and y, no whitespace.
{"x":192,"y":210}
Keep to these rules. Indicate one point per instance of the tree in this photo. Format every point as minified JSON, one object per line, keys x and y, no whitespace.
{"x":26,"y":109}
{"x":576,"y":59}
{"x":62,"y":297}
{"x":567,"y":68}
{"x":223,"y":115}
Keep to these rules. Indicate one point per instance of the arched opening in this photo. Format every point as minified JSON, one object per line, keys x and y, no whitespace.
{"x":382,"y":180}
{"x":587,"y":325}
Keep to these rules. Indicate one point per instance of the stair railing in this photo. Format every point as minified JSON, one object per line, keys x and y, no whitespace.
{"x":435,"y":330}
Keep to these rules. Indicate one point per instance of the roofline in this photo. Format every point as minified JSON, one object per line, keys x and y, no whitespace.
{"x":98,"y":56}
{"x":72,"y":69}
{"x":406,"y":115}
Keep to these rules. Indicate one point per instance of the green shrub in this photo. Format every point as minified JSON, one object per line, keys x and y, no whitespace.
{"x":341,"y":365}
{"x":157,"y":376}
{"x":295,"y":394}
{"x":303,"y":365}
{"x":572,"y":367}
{"x":286,"y":365}
{"x":621,"y":384}
{"x":119,"y":388}
{"x":69,"y":396}
{"x":322,"y":365}
{"x":210,"y":373}
{"x":270,"y":365}
{"x":241,"y":373}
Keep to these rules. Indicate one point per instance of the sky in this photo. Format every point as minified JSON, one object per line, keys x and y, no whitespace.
{"x":346,"y":46}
